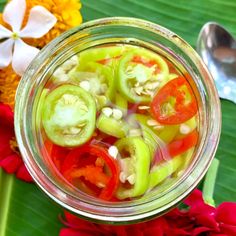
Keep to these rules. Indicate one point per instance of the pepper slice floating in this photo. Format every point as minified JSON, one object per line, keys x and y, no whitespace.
{"x":165,"y":169}
{"x":57,"y":153}
{"x":103,"y":55}
{"x":111,"y":126}
{"x":96,"y":79}
{"x":68,"y":116}
{"x":174,"y":103}
{"x":139,"y":74}
{"x":92,"y":169}
{"x":166,"y":133}
{"x":176,"y":147}
{"x":179,"y":146}
{"x":135,"y":163}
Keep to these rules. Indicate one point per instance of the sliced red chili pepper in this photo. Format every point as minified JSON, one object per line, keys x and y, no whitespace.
{"x":179,"y":146}
{"x":172,"y":68}
{"x":176,"y":147}
{"x":93,"y":174}
{"x":56,"y":153}
{"x":95,"y":168}
{"x":174,"y":103}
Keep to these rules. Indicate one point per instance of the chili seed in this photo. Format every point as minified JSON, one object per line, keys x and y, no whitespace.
{"x":107,"y":111}
{"x":131,"y":179}
{"x":113,"y":151}
{"x":184,"y":129}
{"x":85,"y":85}
{"x":117,"y":114}
{"x":143,"y":107}
{"x":135,"y":132}
{"x":122,"y":177}
{"x":152,"y":123}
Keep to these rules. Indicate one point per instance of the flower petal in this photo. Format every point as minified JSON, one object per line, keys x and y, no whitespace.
{"x":226,"y":213}
{"x":6,"y":52}
{"x":194,"y":198}
{"x":229,"y":230}
{"x":23,"y":174}
{"x":4,"y":32}
{"x":6,"y":130}
{"x":207,"y":220}
{"x":39,"y":23}
{"x":13,"y":14}
{"x":200,"y":230}
{"x":11,"y":163}
{"x":22,"y":56}
{"x":6,"y":116}
{"x":75,"y":222}
{"x":72,"y":232}
{"x":5,"y":149}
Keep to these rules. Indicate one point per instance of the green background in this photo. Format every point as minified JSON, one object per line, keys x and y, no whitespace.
{"x":24,"y":210}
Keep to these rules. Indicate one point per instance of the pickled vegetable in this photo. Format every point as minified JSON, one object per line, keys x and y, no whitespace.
{"x":68,"y":116}
{"x":120,"y":122}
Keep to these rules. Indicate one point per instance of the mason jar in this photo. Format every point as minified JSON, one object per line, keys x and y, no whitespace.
{"x":103,"y":32}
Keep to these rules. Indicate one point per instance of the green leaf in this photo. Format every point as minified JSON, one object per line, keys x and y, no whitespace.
{"x":225,"y":182}
{"x":209,"y":183}
{"x":2,"y":4}
{"x":25,"y":210}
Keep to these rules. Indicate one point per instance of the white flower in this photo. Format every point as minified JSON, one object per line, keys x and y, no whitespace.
{"x":14,"y":49}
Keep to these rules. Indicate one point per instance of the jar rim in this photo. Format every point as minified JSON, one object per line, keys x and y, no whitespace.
{"x":61,"y":197}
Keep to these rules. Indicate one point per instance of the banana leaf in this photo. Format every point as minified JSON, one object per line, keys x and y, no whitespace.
{"x":25,"y":210}
{"x":2,"y":3}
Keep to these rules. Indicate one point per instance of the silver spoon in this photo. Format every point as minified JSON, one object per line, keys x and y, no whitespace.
{"x":218,"y":50}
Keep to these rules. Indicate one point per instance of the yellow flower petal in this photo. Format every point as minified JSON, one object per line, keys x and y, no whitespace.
{"x":8,"y":83}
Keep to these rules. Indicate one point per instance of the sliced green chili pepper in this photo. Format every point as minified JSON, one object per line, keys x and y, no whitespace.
{"x":144,"y":120}
{"x":187,"y":156}
{"x":168,"y":133}
{"x":149,"y":135}
{"x":165,"y":133}
{"x":68,"y":115}
{"x":162,"y":171}
{"x":151,"y":139}
{"x":139,"y":74}
{"x":121,"y":103}
{"x":102,"y":55}
{"x":111,"y":126}
{"x":97,"y":79}
{"x":134,"y":164}
{"x":187,"y":127}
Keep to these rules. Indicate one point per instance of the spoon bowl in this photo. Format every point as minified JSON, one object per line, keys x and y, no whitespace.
{"x":217,"y":48}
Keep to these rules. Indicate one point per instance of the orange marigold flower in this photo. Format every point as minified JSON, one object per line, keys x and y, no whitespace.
{"x":8,"y":83}
{"x":67,"y":13}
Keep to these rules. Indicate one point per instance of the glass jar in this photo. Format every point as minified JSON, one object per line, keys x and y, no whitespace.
{"x":110,"y":31}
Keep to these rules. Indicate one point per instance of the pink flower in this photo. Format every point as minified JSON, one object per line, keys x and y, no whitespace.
{"x":226,"y":218}
{"x":203,"y":219}
{"x":199,"y":219}
{"x":79,"y":227}
{"x":10,"y":159}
